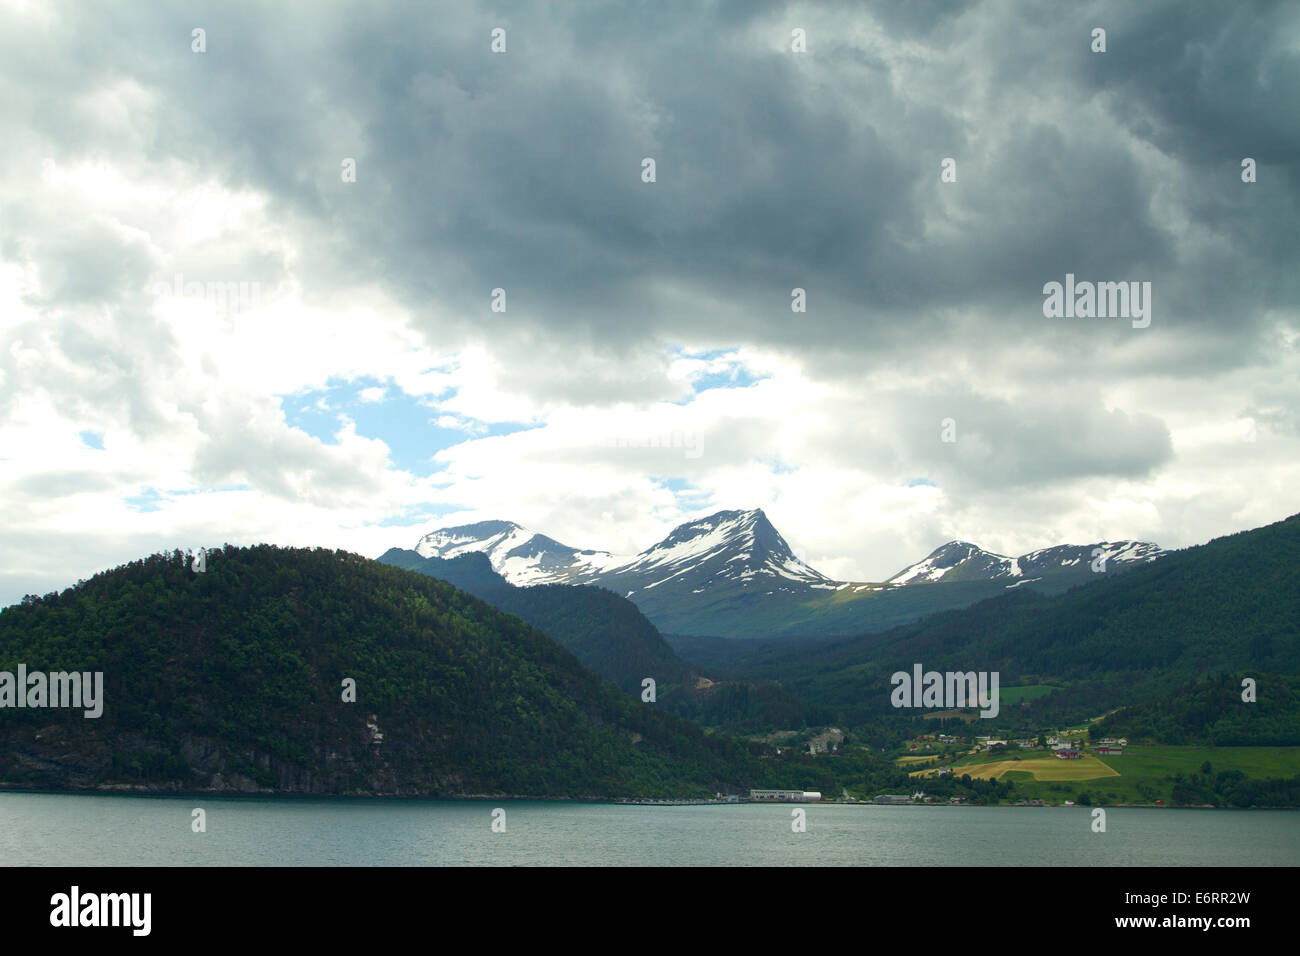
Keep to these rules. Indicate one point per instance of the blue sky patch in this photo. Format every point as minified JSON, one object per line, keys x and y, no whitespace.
{"x":144,"y":502}
{"x":407,"y":425}
{"x":736,"y":376}
{"x":776,"y":466}
{"x":688,"y":496}
{"x":429,"y":514}
{"x":676,"y":485}
{"x":151,"y":499}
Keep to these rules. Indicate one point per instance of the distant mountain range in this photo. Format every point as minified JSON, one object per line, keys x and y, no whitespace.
{"x":726,"y":546}
{"x":732,"y":574}
{"x":963,"y":561}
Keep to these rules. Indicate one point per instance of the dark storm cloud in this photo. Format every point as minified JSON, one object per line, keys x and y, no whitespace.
{"x":1208,"y":85}
{"x":774,"y":170}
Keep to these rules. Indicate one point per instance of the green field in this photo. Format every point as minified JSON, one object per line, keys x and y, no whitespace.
{"x":1140,"y":775}
{"x":1040,"y":768}
{"x":1146,"y":773}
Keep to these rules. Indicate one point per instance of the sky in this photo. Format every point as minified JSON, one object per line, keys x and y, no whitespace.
{"x":339,"y":274}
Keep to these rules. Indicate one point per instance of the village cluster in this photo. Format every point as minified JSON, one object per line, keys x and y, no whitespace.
{"x":1062,"y":747}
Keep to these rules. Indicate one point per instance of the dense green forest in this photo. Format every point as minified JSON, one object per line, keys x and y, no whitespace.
{"x":1232,"y":788}
{"x":1212,"y":712}
{"x":232,"y":679}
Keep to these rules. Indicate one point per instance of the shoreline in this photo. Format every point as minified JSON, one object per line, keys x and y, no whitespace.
{"x":143,"y":790}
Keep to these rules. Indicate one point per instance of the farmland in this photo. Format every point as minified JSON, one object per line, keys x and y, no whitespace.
{"x":1140,"y":775}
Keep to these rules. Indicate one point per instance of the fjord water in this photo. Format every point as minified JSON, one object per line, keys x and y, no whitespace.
{"x":43,"y":829}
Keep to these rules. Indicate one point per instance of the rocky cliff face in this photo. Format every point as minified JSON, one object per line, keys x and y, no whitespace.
{"x":54,"y":757}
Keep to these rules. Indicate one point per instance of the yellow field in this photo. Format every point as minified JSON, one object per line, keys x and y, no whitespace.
{"x":916,"y":759}
{"x":1043,"y":768}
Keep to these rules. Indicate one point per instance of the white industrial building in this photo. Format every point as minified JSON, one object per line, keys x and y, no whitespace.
{"x":786,"y":796}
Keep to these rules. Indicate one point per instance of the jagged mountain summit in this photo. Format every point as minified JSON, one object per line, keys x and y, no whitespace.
{"x":732,"y":574}
{"x":740,"y":547}
{"x":963,"y":561}
{"x":519,"y":555}
{"x":737,"y":546}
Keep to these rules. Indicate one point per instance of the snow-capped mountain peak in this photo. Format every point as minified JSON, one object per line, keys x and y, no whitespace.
{"x":962,"y":557}
{"x":963,"y":561}
{"x":730,"y":545}
{"x":731,"y":574}
{"x":1103,"y":552}
{"x":740,"y":552}
{"x":518,"y":554}
{"x":481,"y":536}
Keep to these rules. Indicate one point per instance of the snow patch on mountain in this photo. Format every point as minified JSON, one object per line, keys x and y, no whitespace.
{"x":520,"y":555}
{"x":965,"y":561}
{"x":744,"y":549}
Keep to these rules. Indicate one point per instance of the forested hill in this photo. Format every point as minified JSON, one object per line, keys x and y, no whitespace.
{"x":1212,"y":712}
{"x":233,"y":679}
{"x":608,"y":633}
{"x":1229,"y":606}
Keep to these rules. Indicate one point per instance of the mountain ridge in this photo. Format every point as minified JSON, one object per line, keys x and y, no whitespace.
{"x":963,"y":556}
{"x":732,"y":574}
{"x":1231,"y":605}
